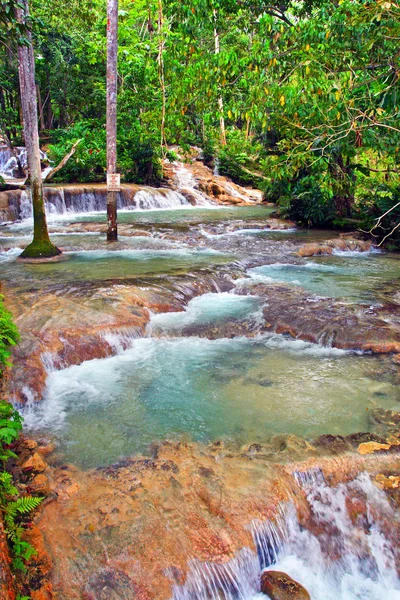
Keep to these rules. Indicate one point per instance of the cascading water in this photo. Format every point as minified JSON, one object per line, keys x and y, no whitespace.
{"x":9,"y":164}
{"x":186,"y":182}
{"x":337,"y":555}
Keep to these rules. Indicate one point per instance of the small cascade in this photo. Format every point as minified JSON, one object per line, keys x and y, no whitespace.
{"x":346,"y":551}
{"x":152,"y":198}
{"x":9,"y":164}
{"x":186,"y":182}
{"x":79,"y":199}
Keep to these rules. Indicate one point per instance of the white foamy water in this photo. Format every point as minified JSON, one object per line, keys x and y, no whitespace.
{"x":209,"y":308}
{"x":343,"y":561}
{"x":250,"y":231}
{"x":186,"y":182}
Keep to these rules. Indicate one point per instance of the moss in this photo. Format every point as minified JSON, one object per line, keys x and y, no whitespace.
{"x":43,"y":249}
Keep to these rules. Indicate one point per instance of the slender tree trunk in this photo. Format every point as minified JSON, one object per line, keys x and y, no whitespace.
{"x":40,"y":247}
{"x":220,"y":99}
{"x":161,"y":73}
{"x":40,"y":105}
{"x":112,"y":50}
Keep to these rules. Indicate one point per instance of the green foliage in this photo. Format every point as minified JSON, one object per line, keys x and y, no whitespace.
{"x":383,"y":199}
{"x":8,"y":335}
{"x":138,"y":159}
{"x":12,"y":506}
{"x":239,"y":158}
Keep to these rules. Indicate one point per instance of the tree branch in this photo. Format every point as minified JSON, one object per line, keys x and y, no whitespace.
{"x":63,"y":162}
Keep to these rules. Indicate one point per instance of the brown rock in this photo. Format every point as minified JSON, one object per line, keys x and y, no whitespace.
{"x":45,"y":450}
{"x":313,"y":250}
{"x":387,"y":483}
{"x":41,"y":562}
{"x":279,"y":586}
{"x":45,"y":592}
{"x":7,"y":591}
{"x":370,"y":447}
{"x":34,"y":463}
{"x":30,"y":444}
{"x":40,"y":485}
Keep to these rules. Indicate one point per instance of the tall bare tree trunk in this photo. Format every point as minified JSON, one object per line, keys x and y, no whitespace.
{"x":112,"y":50}
{"x":40,"y":105}
{"x":40,"y":247}
{"x":161,"y":73}
{"x":220,"y":99}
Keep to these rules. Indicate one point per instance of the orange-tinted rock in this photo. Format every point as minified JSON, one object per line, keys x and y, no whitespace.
{"x":40,"y":485}
{"x":41,"y":562}
{"x":30,"y":444}
{"x":341,"y":244}
{"x":45,"y":592}
{"x":313,"y":250}
{"x":356,"y":508}
{"x":7,"y":591}
{"x":34,"y":464}
{"x":46,"y":449}
{"x":387,"y":483}
{"x":370,"y":447}
{"x":279,"y":586}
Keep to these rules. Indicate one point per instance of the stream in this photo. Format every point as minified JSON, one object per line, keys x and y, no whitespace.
{"x":180,"y":310}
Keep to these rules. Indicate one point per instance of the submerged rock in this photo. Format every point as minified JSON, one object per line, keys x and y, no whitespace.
{"x":109,"y":584}
{"x":279,"y":586}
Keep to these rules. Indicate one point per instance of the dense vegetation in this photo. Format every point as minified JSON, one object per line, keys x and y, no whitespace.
{"x":14,"y":508}
{"x":300,"y":98}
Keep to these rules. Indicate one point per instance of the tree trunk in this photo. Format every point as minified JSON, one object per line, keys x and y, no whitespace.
{"x":343,"y":187}
{"x":220,"y":99}
{"x":41,"y":115}
{"x":40,"y":247}
{"x":112,"y":50}
{"x":161,"y":74}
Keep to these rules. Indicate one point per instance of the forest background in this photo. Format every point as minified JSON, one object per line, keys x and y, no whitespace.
{"x":300,"y":99}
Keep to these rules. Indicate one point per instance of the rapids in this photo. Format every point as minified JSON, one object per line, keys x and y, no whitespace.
{"x":168,"y":342}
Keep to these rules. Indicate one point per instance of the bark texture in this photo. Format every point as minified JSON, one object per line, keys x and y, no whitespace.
{"x":41,"y":247}
{"x":220,"y":99}
{"x":112,"y":49}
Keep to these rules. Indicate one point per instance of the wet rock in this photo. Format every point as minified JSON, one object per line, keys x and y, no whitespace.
{"x":46,"y":449}
{"x":29,"y":444}
{"x":341,"y":244}
{"x":370,"y":447}
{"x":110,"y":584}
{"x":7,"y":591}
{"x":355,"y":439}
{"x":279,"y":586}
{"x":41,"y":563}
{"x":34,"y":464}
{"x":40,"y":485}
{"x":387,"y":483}
{"x":314,"y":250}
{"x":335,"y":444}
{"x":45,"y":592}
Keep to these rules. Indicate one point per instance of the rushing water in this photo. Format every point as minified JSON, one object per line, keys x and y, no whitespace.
{"x":239,"y":390}
{"x":339,"y":560}
{"x":174,"y":384}
{"x":352,"y":276}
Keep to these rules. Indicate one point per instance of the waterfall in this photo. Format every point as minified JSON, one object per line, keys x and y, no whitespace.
{"x":151,"y":198}
{"x":8,"y":162}
{"x":346,"y":551}
{"x":74,"y":199}
{"x":186,"y":182}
